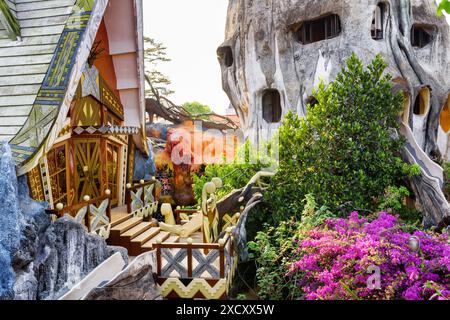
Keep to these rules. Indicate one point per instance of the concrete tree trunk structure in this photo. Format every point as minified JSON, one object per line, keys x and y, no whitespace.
{"x":276,"y":52}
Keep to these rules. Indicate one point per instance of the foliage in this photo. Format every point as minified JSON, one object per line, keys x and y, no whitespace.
{"x":447,"y":179}
{"x":276,"y":249}
{"x":196,"y":108}
{"x":343,"y":152}
{"x":444,"y":6}
{"x":234,"y":175}
{"x":392,"y":200}
{"x":335,"y":259}
{"x":155,"y":53}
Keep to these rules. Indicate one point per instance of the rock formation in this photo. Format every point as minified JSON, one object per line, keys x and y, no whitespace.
{"x":40,"y":259}
{"x":277,"y":51}
{"x":136,"y":282}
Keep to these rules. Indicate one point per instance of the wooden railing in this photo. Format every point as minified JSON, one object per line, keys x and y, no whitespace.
{"x":207,"y":250}
{"x":132,"y":190}
{"x":60,"y":210}
{"x":179,"y":212}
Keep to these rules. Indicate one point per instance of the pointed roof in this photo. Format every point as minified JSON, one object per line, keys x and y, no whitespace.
{"x":39,"y":74}
{"x":24,"y":64}
{"x":8,"y":19}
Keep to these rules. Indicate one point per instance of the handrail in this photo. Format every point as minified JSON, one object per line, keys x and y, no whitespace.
{"x":178,"y":212}
{"x":60,"y":210}
{"x":134,"y":188}
{"x":189,"y":246}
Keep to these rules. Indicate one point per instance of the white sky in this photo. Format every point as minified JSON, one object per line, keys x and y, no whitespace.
{"x":192,"y":30}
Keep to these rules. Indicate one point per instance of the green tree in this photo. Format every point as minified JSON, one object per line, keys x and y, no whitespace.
{"x":344,"y":151}
{"x":444,"y":6}
{"x":155,"y":53}
{"x":196,"y":108}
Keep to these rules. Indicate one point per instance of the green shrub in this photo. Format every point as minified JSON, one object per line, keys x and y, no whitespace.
{"x":234,"y":175}
{"x":275,"y":249}
{"x":343,"y":152}
{"x":447,"y":179}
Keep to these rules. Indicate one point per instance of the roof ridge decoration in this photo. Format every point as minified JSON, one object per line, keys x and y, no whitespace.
{"x":8,"y":18}
{"x":50,"y":109}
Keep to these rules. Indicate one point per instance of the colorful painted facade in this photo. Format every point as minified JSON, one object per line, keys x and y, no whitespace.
{"x":72,"y":95}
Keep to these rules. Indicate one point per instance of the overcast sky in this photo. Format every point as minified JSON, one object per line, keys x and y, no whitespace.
{"x":192,"y":30}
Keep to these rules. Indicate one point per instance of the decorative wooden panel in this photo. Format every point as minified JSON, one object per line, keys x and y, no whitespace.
{"x":87,"y":112}
{"x":110,"y":100}
{"x":35,"y":184}
{"x":113,"y":170}
{"x":57,"y":167}
{"x":88,"y":175}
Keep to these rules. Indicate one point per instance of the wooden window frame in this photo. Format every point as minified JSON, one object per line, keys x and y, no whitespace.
{"x":66,"y":170}
{"x":421,"y":36}
{"x":330,"y":23}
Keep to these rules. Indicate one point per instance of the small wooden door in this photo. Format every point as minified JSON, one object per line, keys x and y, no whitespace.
{"x":88,"y":169}
{"x":113,"y":171}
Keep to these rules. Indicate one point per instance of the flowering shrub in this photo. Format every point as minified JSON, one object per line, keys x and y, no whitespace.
{"x":335,"y":260}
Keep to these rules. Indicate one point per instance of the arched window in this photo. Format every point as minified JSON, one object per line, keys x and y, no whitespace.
{"x":422,"y":103}
{"x":312,"y":101}
{"x":271,"y":106}
{"x":378,"y":22}
{"x":319,"y":29}
{"x":445,"y":117}
{"x":226,"y":56}
{"x":420,"y":37}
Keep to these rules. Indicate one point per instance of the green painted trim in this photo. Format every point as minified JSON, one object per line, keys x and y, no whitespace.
{"x":9,"y":21}
{"x":86,"y":5}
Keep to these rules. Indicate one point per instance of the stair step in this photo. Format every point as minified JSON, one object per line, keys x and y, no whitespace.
{"x":145,"y":236}
{"x":172,"y":239}
{"x":136,"y":231}
{"x":121,"y":220}
{"x":127,"y":225}
{"x":162,"y":235}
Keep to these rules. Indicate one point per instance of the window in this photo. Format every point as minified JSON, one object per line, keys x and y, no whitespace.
{"x":378,"y":22}
{"x":113,"y":162}
{"x":56,"y":159}
{"x":422,"y":102}
{"x":312,"y":101}
{"x":419,"y":36}
{"x":226,"y":56}
{"x":271,"y":105}
{"x":320,"y":29}
{"x":445,"y":117}
{"x":406,"y":107}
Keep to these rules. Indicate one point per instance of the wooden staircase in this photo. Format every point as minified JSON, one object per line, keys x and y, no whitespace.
{"x":138,"y":236}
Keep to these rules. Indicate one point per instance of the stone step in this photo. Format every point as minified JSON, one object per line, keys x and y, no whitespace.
{"x":134,"y":232}
{"x":163,"y":235}
{"x":121,"y":220}
{"x":172,"y":239}
{"x":134,"y":247}
{"x":126,"y":225}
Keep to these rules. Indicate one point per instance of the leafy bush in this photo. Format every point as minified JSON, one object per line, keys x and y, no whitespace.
{"x":344,"y":150}
{"x":336,"y":257}
{"x":275,"y":250}
{"x":447,"y":179}
{"x":234,"y":175}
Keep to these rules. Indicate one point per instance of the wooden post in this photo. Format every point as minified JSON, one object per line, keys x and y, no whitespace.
{"x":222,"y":258}
{"x":128,"y":197}
{"x":88,"y":218}
{"x":143,"y":193}
{"x":189,"y":257}
{"x":108,"y":209}
{"x":158,"y":259}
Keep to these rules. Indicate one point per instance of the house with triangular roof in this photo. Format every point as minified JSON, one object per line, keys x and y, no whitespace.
{"x":72,"y":98}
